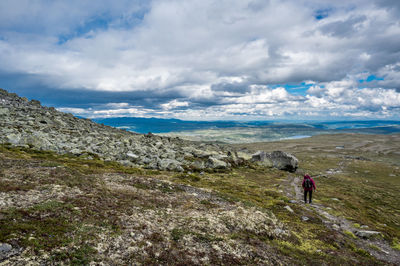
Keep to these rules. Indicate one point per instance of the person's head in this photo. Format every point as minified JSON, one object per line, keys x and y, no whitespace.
{"x":306,"y":176}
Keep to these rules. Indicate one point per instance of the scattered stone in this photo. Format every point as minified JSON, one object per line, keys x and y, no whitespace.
{"x":366,"y":234}
{"x":335,"y":199}
{"x":76,"y":151}
{"x":132,"y":156}
{"x":6,"y":251}
{"x":364,"y":226}
{"x":4,"y":247}
{"x":304,"y":218}
{"x":292,"y":201}
{"x":289,"y":209}
{"x":336,"y":227}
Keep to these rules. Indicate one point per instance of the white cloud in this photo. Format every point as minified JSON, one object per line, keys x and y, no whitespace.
{"x":174,"y":104}
{"x":221,"y":56}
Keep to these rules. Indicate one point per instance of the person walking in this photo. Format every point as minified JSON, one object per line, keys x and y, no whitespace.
{"x":308,"y":186}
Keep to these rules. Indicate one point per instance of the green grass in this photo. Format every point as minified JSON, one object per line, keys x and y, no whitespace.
{"x":396,"y":244}
{"x":68,"y":228}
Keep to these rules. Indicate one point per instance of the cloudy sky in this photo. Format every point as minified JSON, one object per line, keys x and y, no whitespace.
{"x":208,"y":59}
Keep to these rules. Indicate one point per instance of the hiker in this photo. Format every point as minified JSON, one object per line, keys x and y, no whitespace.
{"x":308,"y":186}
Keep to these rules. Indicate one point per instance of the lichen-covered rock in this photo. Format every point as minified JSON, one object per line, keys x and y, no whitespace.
{"x":170,"y":164}
{"x":283,"y":161}
{"x":215,"y":163}
{"x":260,"y":158}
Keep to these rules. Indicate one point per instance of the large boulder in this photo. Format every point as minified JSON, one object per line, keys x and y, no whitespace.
{"x":261,"y":159}
{"x":283,"y":161}
{"x":258,"y":156}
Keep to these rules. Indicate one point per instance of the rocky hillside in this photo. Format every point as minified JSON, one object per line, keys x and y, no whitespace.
{"x":28,"y":124}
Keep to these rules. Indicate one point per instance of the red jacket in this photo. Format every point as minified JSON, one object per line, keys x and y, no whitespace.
{"x":312,"y":181}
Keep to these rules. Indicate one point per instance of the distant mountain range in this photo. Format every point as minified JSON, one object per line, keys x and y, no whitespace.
{"x":248,"y":131}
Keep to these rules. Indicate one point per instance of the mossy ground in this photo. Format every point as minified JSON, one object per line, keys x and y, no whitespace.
{"x":97,"y":197}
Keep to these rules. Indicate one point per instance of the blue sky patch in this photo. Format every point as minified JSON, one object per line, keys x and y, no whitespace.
{"x":371,"y":78}
{"x":94,"y":24}
{"x":299,"y":89}
{"x":322,"y":13}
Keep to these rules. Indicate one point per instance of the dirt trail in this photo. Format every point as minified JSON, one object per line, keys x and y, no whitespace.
{"x":341,"y":224}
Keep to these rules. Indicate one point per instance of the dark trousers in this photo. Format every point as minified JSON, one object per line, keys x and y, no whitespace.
{"x":309,"y":196}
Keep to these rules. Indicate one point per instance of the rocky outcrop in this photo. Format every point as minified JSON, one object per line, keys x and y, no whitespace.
{"x":28,"y":124}
{"x":278,"y":159}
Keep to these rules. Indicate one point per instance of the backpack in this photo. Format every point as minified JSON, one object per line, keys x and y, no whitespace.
{"x":308,"y":183}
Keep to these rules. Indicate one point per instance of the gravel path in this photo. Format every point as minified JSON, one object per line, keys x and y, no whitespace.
{"x":385,"y":252}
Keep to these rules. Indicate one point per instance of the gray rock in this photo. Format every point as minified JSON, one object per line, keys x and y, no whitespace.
{"x":4,"y":111}
{"x":169,"y":164}
{"x":13,"y":138}
{"x":4,"y":247}
{"x":214,"y":163}
{"x":283,"y":161}
{"x":6,"y":251}
{"x":244,"y":155}
{"x":304,"y":218}
{"x":366,"y":234}
{"x":126,"y":163}
{"x":336,"y":227}
{"x":76,"y":151}
{"x":132,"y":156}
{"x":259,"y":156}
{"x":289,"y":209}
{"x":198,"y":165}
{"x":279,"y":232}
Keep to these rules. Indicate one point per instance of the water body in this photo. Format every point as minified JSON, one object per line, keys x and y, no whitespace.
{"x":248,"y":131}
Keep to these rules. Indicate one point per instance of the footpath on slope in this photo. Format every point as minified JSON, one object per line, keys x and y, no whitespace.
{"x":385,"y":253}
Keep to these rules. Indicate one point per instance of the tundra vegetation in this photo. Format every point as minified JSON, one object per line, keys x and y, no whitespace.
{"x":70,"y":209}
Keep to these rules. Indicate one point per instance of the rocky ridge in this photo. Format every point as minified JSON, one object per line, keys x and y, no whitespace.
{"x":29,"y":124}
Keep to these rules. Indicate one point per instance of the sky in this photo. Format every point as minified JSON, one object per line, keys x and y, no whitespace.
{"x":205,"y":60}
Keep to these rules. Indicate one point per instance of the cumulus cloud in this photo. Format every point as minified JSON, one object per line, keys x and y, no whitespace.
{"x":206,"y":59}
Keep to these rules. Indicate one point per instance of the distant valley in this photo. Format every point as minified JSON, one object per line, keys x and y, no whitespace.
{"x":247,"y":131}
